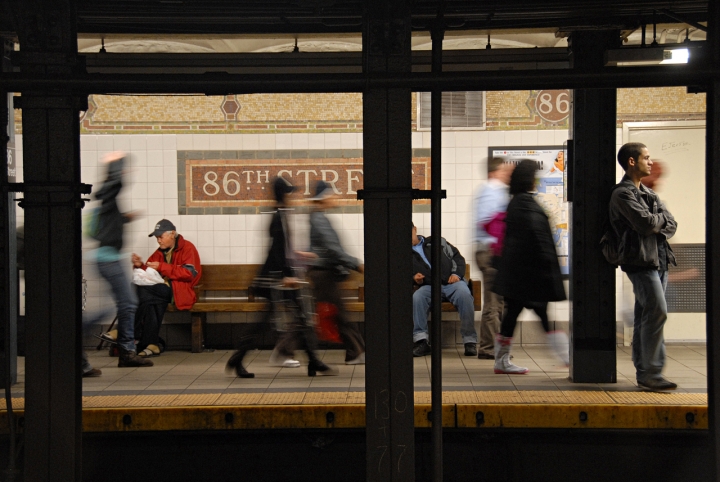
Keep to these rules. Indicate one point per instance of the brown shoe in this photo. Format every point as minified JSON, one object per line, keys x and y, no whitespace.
{"x":130,"y":359}
{"x":485,"y":356}
{"x":95,"y":372}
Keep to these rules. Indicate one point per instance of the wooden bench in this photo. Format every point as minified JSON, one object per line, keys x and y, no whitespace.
{"x":225,"y":288}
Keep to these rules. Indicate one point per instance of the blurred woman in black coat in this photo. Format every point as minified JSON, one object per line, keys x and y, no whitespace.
{"x":528,"y":273}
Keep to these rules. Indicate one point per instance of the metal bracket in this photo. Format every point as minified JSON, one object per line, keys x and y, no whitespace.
{"x":397,"y":194}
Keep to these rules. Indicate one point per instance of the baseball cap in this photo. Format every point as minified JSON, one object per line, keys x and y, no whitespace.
{"x":162,"y":226}
{"x":322,"y":190}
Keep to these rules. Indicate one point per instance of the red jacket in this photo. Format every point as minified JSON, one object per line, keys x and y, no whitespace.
{"x":182,"y":279}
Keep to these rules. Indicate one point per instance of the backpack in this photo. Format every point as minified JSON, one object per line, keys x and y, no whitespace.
{"x":91,"y":223}
{"x":609,"y":242}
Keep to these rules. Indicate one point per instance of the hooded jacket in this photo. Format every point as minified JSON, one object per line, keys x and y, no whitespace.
{"x":110,"y":219}
{"x":642,"y":226}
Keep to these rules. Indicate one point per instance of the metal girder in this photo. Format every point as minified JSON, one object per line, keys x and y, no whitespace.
{"x":222,"y":84}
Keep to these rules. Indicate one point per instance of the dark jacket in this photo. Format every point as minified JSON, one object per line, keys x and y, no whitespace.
{"x":640,"y":222}
{"x":278,"y":263}
{"x":325,"y":243}
{"x":448,"y":265}
{"x":184,"y":271}
{"x":528,"y":269}
{"x":110,"y":219}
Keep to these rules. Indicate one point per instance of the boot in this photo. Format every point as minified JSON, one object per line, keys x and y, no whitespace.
{"x":128,"y":358}
{"x":316,"y":366}
{"x":502,"y":357}
{"x":234,"y":363}
{"x":559,"y":341}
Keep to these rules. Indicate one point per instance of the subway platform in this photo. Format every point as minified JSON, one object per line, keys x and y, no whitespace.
{"x":186,"y":419}
{"x":196,"y":390}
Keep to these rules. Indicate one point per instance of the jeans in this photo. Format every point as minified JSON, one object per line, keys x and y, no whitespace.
{"x":125,"y":301}
{"x":456,"y":293}
{"x":648,"y":344}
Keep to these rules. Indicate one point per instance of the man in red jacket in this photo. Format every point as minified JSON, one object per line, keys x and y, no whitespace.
{"x":178,"y":262}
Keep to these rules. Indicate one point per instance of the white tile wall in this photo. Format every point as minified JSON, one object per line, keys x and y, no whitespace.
{"x":152,"y":191}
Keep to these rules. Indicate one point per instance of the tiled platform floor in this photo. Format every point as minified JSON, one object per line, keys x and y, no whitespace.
{"x":178,"y":374}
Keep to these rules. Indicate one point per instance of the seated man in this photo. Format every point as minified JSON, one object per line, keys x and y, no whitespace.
{"x":454,"y":289}
{"x":178,"y":262}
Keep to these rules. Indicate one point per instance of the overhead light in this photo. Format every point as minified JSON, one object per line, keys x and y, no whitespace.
{"x":633,"y":57}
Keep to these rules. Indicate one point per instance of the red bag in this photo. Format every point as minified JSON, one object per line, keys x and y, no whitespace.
{"x":326,"y":327}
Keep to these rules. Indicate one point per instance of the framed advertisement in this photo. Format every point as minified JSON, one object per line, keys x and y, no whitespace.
{"x":551,"y":189}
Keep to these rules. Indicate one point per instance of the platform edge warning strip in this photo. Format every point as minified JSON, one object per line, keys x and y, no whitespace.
{"x":349,"y":416}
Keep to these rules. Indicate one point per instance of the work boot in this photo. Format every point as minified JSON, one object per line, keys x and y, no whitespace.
{"x":502,"y":357}
{"x":559,"y":341}
{"x":128,"y":358}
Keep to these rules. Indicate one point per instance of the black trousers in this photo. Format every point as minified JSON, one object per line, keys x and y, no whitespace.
{"x":152,"y":303}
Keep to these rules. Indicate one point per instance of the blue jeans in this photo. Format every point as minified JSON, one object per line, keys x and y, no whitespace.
{"x":648,"y":344}
{"x":125,"y":301}
{"x":456,"y":293}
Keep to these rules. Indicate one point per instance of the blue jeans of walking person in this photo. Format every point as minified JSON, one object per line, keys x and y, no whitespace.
{"x":456,"y":293}
{"x":648,"y":343}
{"x":125,"y":301}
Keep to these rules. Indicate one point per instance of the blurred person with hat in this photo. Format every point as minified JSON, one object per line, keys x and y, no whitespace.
{"x":277,"y":282}
{"x":329,"y":267}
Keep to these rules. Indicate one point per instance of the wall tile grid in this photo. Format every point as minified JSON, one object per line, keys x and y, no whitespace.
{"x":241,"y":238}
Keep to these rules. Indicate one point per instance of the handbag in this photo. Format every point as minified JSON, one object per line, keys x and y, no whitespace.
{"x":326,"y":327}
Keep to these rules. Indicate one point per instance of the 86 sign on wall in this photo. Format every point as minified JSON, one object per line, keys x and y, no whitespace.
{"x":553,"y":105}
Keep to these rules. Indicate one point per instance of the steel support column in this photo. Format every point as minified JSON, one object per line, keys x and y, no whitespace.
{"x":435,"y":253}
{"x":388,"y":210}
{"x":592,"y":279}
{"x":712,"y":243}
{"x":8,"y":248}
{"x":52,"y":191}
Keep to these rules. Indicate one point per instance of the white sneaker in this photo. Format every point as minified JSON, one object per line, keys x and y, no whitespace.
{"x":360,"y":360}
{"x":504,"y":365}
{"x":290,"y":363}
{"x":276,"y":360}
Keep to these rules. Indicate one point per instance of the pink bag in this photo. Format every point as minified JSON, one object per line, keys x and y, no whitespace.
{"x":496,"y":228}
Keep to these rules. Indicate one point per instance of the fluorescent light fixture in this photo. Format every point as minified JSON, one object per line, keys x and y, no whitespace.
{"x":676,"y":56}
{"x":634,"y":57}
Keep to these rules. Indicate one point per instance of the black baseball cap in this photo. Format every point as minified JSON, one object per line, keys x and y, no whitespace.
{"x":161,"y":227}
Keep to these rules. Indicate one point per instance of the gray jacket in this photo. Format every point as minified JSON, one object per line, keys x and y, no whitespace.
{"x":325,"y":243}
{"x":640,"y":220}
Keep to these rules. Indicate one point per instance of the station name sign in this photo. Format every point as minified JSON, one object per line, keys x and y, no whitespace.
{"x":233,"y":182}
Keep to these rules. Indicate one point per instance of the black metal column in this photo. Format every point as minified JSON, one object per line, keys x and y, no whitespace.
{"x":712,"y":243}
{"x":435,"y":232}
{"x":592,"y":279}
{"x":8,"y":248}
{"x":52,"y":191}
{"x":388,"y":262}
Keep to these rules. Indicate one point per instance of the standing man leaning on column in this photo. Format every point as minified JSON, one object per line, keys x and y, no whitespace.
{"x":643,"y":225}
{"x":491,"y":201}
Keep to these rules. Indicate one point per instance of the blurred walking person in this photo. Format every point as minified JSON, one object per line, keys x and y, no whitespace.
{"x":528,"y":273}
{"x":329,"y":268}
{"x":277,"y":280}
{"x":109,"y":231}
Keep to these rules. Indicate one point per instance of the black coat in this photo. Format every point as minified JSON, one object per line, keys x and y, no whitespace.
{"x":111,"y":220}
{"x":528,"y":269}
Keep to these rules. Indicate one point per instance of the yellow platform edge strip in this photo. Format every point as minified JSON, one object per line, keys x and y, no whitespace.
{"x":352,"y":416}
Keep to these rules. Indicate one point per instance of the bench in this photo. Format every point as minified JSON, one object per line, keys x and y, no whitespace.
{"x":225,"y":288}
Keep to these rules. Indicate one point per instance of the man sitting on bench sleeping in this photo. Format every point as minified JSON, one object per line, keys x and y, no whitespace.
{"x":454,"y":289}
